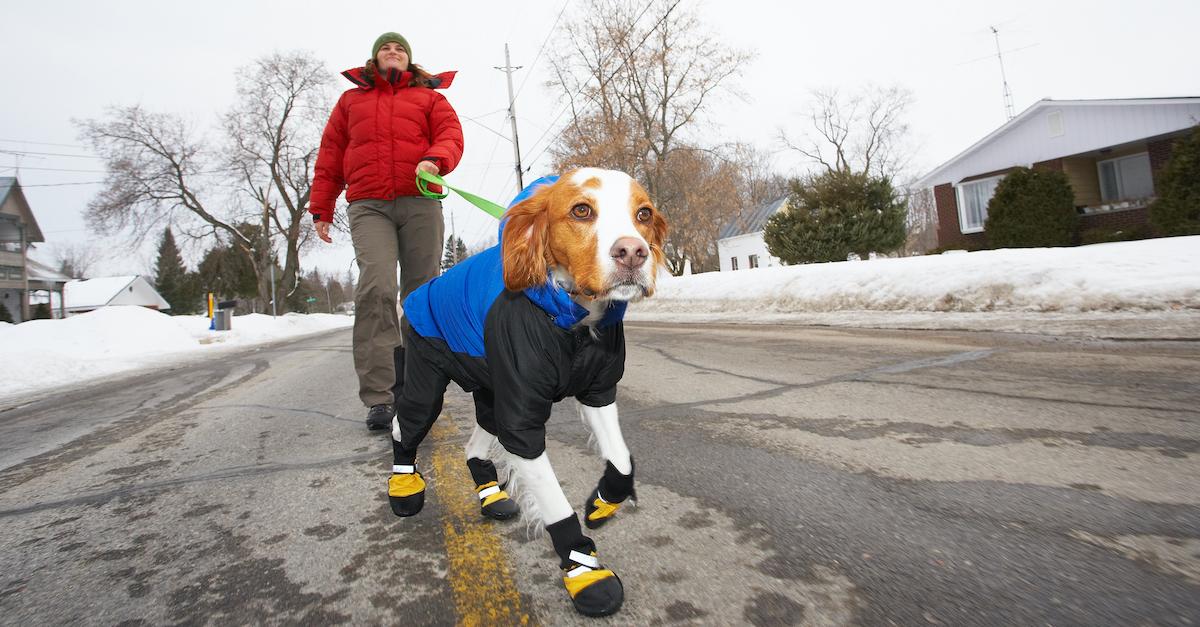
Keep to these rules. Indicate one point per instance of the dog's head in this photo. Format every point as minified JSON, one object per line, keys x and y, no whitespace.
{"x":595,"y":230}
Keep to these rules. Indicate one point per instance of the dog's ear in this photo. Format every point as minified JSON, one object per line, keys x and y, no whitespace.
{"x":658,"y":237}
{"x":524,"y":242}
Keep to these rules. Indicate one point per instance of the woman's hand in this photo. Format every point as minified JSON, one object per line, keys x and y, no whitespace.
{"x":427,"y":166}
{"x":322,"y":229}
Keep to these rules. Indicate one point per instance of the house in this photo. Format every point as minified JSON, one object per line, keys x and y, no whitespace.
{"x":18,"y":231}
{"x":740,"y":242}
{"x":1110,"y":151}
{"x":46,"y":285}
{"x":86,"y":295}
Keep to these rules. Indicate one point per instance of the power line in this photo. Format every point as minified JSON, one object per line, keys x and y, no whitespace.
{"x":544,"y":42}
{"x":50,"y":154}
{"x":26,"y":141}
{"x":62,"y":184}
{"x":25,"y":167}
{"x":624,"y":62}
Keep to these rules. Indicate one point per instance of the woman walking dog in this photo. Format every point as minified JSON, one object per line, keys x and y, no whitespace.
{"x":390,"y":125}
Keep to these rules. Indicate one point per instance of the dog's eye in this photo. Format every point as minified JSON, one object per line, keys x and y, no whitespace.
{"x":581,"y":211}
{"x":644,"y":214}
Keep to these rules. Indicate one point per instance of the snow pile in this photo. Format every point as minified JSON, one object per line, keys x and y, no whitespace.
{"x":46,"y":353}
{"x":1142,"y":276}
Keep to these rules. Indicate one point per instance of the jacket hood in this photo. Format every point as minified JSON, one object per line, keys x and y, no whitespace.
{"x":356,"y":76}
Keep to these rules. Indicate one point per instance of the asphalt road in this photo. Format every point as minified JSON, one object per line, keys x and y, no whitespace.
{"x":786,"y":475}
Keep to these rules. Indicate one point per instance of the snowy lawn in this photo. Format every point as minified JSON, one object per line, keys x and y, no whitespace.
{"x":42,"y":354}
{"x":1145,"y":289}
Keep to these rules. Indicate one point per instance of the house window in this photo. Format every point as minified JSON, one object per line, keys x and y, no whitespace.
{"x":753,"y":261}
{"x":14,"y":273}
{"x":733,"y":263}
{"x":973,"y":200}
{"x":1126,"y":178}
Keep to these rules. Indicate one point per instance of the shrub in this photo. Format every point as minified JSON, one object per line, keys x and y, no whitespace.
{"x":1032,"y":208}
{"x":1177,"y":209}
{"x":5,"y":316}
{"x":834,"y":214}
{"x":1102,"y":234}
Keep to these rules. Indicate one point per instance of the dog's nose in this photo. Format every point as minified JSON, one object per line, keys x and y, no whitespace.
{"x":629,"y":252}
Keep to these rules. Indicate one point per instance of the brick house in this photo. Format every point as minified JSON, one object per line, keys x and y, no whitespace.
{"x":1110,"y":150}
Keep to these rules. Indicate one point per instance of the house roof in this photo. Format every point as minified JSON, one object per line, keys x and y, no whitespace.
{"x":1096,"y":124}
{"x":38,"y":271}
{"x":751,"y":221}
{"x":10,"y":187}
{"x":93,"y":293}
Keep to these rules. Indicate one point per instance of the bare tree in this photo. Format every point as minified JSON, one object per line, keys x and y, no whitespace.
{"x":75,"y":259}
{"x":863,"y":131}
{"x":636,"y":78}
{"x":162,"y":171}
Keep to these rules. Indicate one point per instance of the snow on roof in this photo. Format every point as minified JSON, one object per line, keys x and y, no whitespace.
{"x":92,"y":293}
{"x":41,"y":272}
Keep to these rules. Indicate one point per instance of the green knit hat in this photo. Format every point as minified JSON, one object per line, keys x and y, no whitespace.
{"x":396,"y":37}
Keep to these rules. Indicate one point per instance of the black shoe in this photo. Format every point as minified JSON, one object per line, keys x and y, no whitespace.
{"x":380,"y":417}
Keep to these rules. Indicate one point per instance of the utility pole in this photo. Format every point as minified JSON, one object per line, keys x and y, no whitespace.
{"x":1008,"y":101}
{"x":512,"y":116}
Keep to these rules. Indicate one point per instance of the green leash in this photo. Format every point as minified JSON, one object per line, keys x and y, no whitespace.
{"x":424,"y":178}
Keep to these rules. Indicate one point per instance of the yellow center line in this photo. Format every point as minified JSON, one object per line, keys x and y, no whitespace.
{"x":480,"y":578}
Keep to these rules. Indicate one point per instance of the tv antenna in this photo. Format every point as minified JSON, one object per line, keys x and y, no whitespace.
{"x":1008,"y":99}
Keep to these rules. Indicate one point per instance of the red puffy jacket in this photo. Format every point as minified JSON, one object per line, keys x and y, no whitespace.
{"x":375,"y":137}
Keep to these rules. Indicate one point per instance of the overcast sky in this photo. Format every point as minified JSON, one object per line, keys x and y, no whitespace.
{"x":70,"y":59}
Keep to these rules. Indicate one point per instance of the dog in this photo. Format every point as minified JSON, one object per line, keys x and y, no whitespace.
{"x":531,"y":321}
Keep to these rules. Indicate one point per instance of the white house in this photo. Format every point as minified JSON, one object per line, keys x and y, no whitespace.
{"x":1110,"y":151}
{"x":86,"y":295}
{"x":740,"y":242}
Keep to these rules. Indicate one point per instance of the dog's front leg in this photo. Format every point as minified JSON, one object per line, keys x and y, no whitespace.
{"x":594,"y":590}
{"x":617,"y":483}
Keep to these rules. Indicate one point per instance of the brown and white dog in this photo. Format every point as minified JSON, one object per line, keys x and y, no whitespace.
{"x":522,"y":326}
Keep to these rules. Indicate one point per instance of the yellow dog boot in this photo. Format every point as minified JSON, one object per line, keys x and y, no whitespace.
{"x":594,"y":590}
{"x":604,"y":501}
{"x":495,"y":503}
{"x":406,"y":491}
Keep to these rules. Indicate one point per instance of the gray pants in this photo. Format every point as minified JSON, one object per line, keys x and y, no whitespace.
{"x":408,"y":230}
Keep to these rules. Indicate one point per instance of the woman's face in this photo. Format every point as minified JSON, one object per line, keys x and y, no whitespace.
{"x":392,"y":56}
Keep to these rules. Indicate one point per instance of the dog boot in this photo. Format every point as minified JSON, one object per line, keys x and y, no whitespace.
{"x":604,"y":501}
{"x":594,"y":590}
{"x":406,"y":491}
{"x":495,"y":503}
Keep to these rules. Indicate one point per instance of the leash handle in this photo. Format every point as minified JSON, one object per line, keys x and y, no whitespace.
{"x":425,"y":178}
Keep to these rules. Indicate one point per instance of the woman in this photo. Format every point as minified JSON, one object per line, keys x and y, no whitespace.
{"x":389,"y":126}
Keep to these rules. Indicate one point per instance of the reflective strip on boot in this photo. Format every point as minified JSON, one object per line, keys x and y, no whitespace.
{"x":402,"y":485}
{"x":490,"y":493}
{"x":585,"y":574}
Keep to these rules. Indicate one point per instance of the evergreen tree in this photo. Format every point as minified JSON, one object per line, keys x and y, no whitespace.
{"x":172,"y":279}
{"x":1177,"y":209}
{"x":836,"y":213}
{"x":456,"y":251}
{"x":1032,"y":208}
